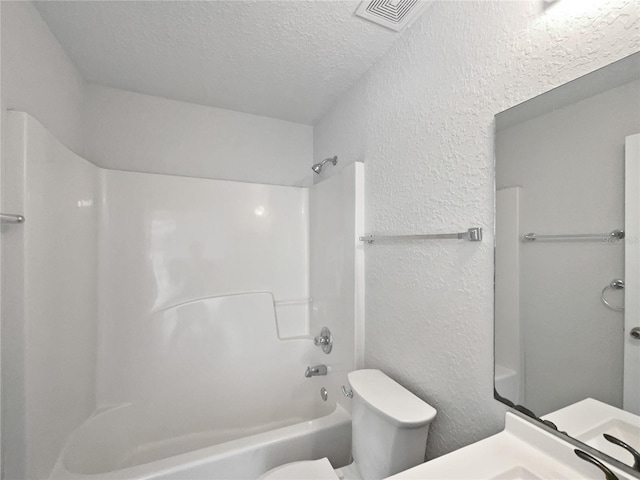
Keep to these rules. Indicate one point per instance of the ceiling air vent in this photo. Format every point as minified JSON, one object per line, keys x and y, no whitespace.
{"x":393,"y":14}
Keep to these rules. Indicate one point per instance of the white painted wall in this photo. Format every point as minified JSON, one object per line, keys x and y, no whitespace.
{"x":49,"y":296}
{"x":135,"y":132}
{"x":38,"y":76}
{"x":336,"y":273}
{"x":570,"y":165}
{"x":422,"y":120}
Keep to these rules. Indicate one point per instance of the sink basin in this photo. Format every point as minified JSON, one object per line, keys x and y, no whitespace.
{"x":522,"y":451}
{"x":589,"y":419}
{"x":630,"y":434}
{"x":517,"y":473}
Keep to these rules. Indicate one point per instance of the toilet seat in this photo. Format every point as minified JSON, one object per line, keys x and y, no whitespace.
{"x":309,"y":470}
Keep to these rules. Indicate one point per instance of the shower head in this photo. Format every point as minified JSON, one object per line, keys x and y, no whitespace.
{"x":317,"y":168}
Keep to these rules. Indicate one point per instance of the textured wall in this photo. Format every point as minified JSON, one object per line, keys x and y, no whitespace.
{"x":142,"y":133}
{"x":422,"y":120}
{"x":38,"y":76}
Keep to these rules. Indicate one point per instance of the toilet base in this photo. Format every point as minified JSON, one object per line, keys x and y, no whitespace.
{"x":312,"y":470}
{"x":350,"y":472}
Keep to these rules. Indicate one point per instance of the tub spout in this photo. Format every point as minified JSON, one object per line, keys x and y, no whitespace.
{"x":315,"y":371}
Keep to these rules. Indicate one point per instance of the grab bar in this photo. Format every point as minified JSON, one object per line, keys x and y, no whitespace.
{"x":11,"y":218}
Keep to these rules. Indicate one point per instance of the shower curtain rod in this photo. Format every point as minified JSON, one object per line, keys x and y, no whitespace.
{"x":473,"y":235}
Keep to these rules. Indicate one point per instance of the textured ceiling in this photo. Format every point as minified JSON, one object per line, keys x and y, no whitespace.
{"x":284,"y":59}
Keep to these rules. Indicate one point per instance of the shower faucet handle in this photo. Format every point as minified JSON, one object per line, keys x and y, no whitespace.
{"x":347,"y":393}
{"x":324,"y":340}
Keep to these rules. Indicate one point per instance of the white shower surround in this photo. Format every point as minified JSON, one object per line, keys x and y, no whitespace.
{"x":204,"y":332}
{"x":422,"y":120}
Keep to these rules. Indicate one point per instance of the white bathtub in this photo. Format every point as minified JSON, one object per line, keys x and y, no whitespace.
{"x":131,"y":442}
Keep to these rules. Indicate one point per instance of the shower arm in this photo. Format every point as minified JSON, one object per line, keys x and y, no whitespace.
{"x":317,"y":168}
{"x":333,"y":160}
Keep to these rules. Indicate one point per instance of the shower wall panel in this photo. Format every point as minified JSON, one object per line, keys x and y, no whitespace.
{"x":49,"y":299}
{"x":337,"y":272}
{"x":170,"y":240}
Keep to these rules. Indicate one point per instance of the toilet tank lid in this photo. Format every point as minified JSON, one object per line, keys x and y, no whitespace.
{"x":390,"y":399}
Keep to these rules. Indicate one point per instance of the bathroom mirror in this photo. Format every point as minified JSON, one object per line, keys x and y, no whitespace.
{"x":566,"y":282}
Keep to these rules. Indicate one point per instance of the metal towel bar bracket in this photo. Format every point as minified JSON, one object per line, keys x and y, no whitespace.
{"x":472,"y":234}
{"x":11,"y":218}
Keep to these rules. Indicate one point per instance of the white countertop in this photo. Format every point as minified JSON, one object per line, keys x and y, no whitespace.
{"x":520,"y":451}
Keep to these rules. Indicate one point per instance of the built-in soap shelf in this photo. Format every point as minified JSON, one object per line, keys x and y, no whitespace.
{"x":293,"y":318}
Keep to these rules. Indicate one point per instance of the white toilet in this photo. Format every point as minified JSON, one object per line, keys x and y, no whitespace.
{"x":389,"y":433}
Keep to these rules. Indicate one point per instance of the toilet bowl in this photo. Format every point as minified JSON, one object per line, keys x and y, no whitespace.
{"x":389,"y":433}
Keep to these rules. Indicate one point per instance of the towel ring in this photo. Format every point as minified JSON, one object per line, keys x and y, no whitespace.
{"x":616,"y":284}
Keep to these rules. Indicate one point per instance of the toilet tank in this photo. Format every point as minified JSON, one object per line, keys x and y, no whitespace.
{"x":390,"y":425}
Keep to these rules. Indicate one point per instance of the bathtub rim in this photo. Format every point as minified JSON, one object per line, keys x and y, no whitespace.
{"x":175,"y":463}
